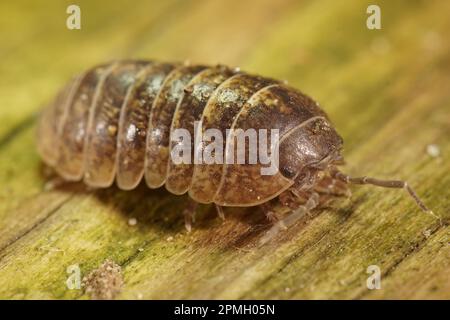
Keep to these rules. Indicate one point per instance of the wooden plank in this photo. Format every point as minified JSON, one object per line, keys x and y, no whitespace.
{"x":386,"y":91}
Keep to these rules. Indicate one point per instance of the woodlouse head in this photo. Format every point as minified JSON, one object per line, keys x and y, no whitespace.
{"x":304,"y":150}
{"x":313,"y":144}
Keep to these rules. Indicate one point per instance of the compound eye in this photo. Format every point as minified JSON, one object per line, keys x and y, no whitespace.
{"x":287,"y":172}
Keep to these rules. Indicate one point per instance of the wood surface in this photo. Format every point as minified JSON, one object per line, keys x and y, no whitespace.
{"x":387,"y":92}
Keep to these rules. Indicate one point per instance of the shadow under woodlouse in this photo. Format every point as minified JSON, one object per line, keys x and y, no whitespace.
{"x":152,"y":208}
{"x":162,"y":211}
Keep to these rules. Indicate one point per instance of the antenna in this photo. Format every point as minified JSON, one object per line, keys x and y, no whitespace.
{"x":398,"y":184}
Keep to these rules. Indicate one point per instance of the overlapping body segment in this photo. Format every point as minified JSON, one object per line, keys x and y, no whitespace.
{"x":70,"y":163}
{"x":133,"y":125}
{"x":219,"y":114}
{"x":101,"y":143}
{"x":50,"y":123}
{"x":160,"y":121}
{"x":189,"y":111}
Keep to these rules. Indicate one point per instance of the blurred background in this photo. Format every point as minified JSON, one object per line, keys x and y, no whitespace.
{"x":387,"y":91}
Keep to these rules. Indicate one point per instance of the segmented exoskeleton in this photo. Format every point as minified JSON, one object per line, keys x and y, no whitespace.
{"x":114,"y":122}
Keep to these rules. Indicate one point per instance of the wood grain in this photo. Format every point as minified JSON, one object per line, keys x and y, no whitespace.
{"x":387,"y":92}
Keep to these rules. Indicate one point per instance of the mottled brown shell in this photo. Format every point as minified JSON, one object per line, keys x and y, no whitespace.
{"x":114,"y":122}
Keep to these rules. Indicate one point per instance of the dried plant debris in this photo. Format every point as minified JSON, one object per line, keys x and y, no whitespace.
{"x":105,"y":282}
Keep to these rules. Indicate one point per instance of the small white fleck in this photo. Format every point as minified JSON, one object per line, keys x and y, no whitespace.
{"x":202,"y":91}
{"x":132,"y":221}
{"x":131,"y":132}
{"x":126,"y":79}
{"x":49,"y":185}
{"x":427,"y":233}
{"x":156,"y":134}
{"x":79,"y":133}
{"x":169,"y":239}
{"x":141,"y":249}
{"x":228,"y":95}
{"x":100,"y":127}
{"x":433,"y":150}
{"x":154,"y":84}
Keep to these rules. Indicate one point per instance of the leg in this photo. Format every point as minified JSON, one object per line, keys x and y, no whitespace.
{"x":274,"y":212}
{"x":189,"y":214}
{"x":333,"y":187}
{"x":292,"y":218}
{"x":54,"y":183}
{"x":220,"y":212}
{"x":53,"y":180}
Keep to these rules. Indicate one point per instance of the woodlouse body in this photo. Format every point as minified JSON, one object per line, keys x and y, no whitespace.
{"x":114,"y":122}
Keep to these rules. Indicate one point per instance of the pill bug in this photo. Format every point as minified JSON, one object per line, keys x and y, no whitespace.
{"x":114,"y":123}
